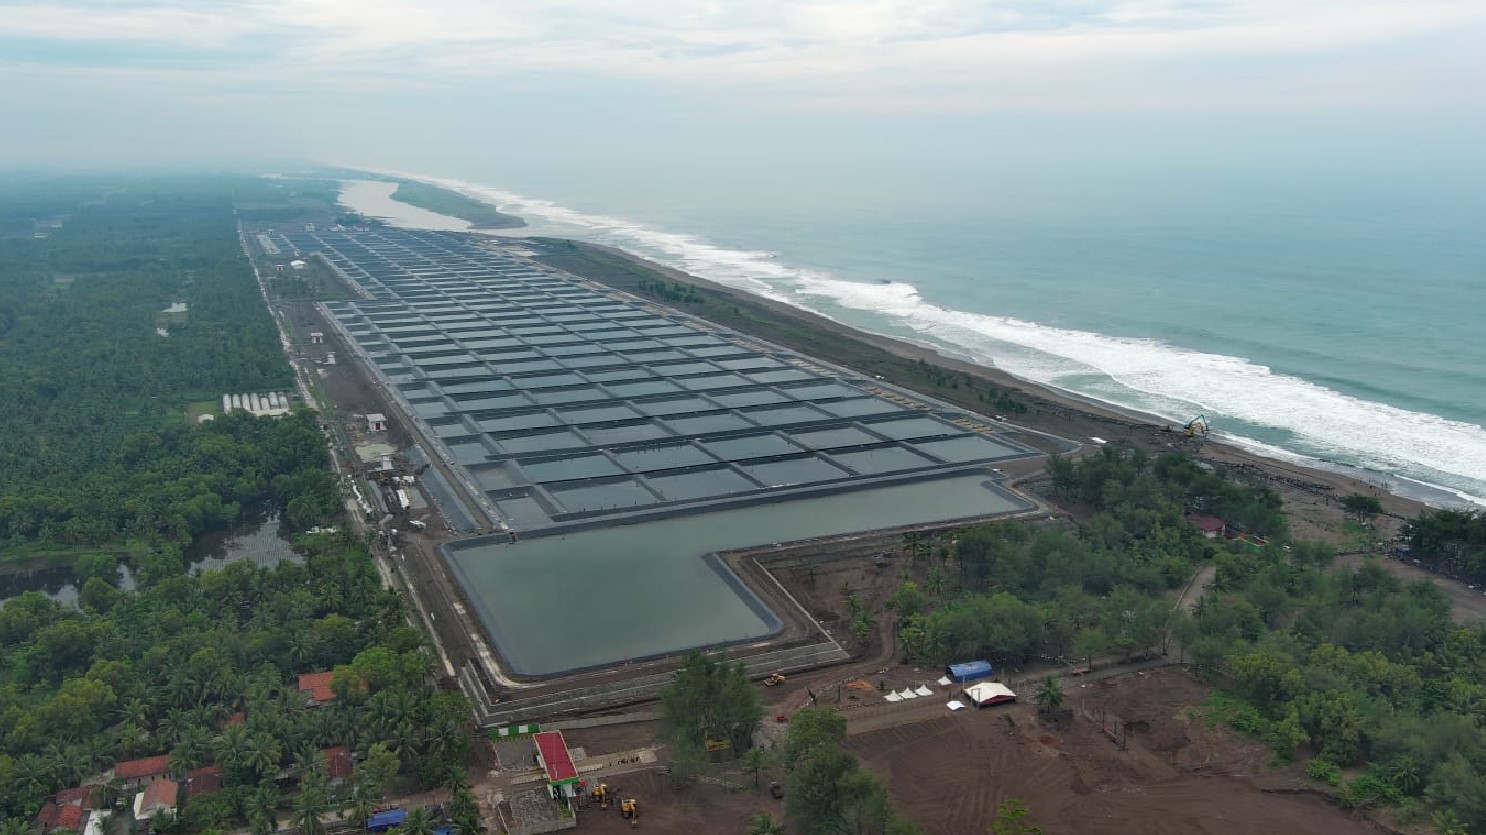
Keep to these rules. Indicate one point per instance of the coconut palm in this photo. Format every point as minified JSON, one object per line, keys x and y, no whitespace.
{"x":1446,"y":822}
{"x":1050,"y":695}
{"x":262,"y":754}
{"x":232,"y":746}
{"x":311,"y":802}
{"x":416,"y":823}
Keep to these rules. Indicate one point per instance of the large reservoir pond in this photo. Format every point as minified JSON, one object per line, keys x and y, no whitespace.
{"x":603,"y":596}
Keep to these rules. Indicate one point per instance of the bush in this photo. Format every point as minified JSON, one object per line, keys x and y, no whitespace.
{"x":1323,"y":771}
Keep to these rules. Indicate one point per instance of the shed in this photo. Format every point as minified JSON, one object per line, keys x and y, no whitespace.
{"x":552,"y":753}
{"x":968,"y":671}
{"x":135,"y":773}
{"x":383,"y":821}
{"x":316,"y":686}
{"x":987,"y":693}
{"x":376,"y":422}
{"x":1211,"y":526}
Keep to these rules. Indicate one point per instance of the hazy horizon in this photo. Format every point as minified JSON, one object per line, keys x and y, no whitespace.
{"x":97,"y":84}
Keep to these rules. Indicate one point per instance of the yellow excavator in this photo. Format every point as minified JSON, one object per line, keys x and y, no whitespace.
{"x":601,"y":795}
{"x":629,"y":809}
{"x":774,"y":680}
{"x":1196,"y":425}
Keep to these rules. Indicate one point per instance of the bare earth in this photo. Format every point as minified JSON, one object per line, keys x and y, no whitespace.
{"x":1177,"y":776}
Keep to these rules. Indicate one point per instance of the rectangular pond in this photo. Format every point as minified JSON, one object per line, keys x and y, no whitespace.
{"x":599,"y":596}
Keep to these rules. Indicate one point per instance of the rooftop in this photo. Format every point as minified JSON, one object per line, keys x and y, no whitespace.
{"x":146,"y":767}
{"x":553,"y":750}
{"x":317,"y":686}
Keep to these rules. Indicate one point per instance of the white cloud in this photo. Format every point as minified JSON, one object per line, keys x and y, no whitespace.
{"x":850,"y":53}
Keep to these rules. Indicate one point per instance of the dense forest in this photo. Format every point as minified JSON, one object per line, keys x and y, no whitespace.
{"x":1360,"y":675}
{"x":100,"y":460}
{"x":1452,"y":542}
{"x":97,"y":449}
{"x":164,"y":670}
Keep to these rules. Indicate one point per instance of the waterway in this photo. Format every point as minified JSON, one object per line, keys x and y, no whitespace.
{"x":605,"y":596}
{"x":258,"y":539}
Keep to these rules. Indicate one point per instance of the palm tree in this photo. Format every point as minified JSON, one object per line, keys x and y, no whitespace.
{"x":261,"y":805}
{"x":416,"y":823}
{"x":262,"y":754}
{"x":359,"y":808}
{"x":1050,"y":695}
{"x":15,"y":826}
{"x":232,"y":746}
{"x":464,"y":811}
{"x":69,"y":765}
{"x":1404,"y":773}
{"x":1446,"y":822}
{"x":310,"y":804}
{"x":764,"y":824}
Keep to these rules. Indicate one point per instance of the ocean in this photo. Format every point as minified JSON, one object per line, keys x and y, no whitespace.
{"x":1315,"y":315}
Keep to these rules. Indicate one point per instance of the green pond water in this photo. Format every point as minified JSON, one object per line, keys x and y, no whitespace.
{"x":607,"y":595}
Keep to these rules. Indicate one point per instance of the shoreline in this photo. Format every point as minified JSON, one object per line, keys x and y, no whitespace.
{"x":1307,"y":489}
{"x":1069,"y":414}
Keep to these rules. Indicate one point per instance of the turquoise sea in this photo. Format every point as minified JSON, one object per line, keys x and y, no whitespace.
{"x":1325,"y":313}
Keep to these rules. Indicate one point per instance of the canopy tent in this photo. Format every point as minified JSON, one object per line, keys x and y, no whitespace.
{"x":987,"y":693}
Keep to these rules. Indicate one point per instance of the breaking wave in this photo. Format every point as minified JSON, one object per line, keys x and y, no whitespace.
{"x":1253,"y":405}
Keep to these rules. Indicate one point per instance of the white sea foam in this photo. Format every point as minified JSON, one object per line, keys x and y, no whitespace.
{"x":1145,"y":374}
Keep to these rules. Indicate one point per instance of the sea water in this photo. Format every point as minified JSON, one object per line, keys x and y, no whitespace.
{"x":1320,"y":314}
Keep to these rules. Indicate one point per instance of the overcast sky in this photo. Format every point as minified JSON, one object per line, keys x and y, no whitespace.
{"x":405,"y":83}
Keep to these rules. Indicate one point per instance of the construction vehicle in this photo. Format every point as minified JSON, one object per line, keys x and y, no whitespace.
{"x":601,"y":795}
{"x":1195,"y":425}
{"x":774,"y":680}
{"x":629,"y":809}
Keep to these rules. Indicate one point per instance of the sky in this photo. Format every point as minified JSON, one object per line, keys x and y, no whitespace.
{"x":414,"y":84}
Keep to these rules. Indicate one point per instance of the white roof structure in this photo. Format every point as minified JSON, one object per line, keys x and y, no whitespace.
{"x":989,"y":693}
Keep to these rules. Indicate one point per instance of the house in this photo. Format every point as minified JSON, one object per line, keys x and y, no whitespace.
{"x":157,"y":798}
{"x":132,"y":774}
{"x":385,"y":820}
{"x":53,"y":817}
{"x":339,"y":764}
{"x":316,"y":686}
{"x":79,"y":796}
{"x":317,"y":338}
{"x":203,"y":781}
{"x":1211,"y":526}
{"x":376,"y":422}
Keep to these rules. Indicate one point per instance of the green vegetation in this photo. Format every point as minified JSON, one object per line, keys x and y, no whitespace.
{"x":162,"y":670}
{"x":1362,"y":674}
{"x":709,"y":702}
{"x":98,"y":460}
{"x":97,"y":453}
{"x":794,"y":329}
{"x":829,"y":792}
{"x":480,"y":214}
{"x":1452,"y":542}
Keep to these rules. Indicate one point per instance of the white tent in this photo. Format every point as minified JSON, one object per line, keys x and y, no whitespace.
{"x":892,"y":697}
{"x":955,"y":704}
{"x":944,"y":681}
{"x":923,"y":690}
{"x":908,"y":693}
{"x":987,"y":693}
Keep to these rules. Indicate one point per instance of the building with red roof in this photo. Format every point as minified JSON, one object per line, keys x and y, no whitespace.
{"x":204,"y":780}
{"x":66,"y":816}
{"x":1211,"y":526}
{"x":136,"y":773}
{"x":317,"y":687}
{"x":77,"y":796}
{"x":552,"y":753}
{"x":157,"y":798}
{"x":338,"y":762}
